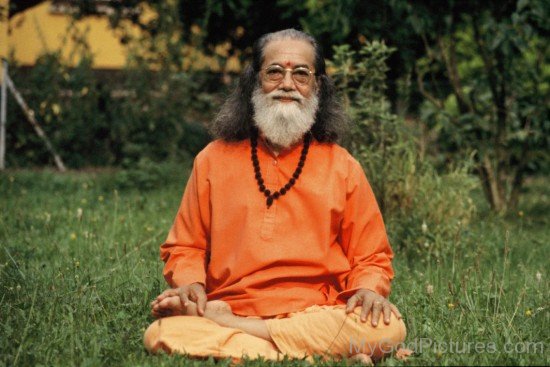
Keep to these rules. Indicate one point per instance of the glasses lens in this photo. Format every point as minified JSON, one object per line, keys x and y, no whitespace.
{"x":300,"y":75}
{"x":275,"y":73}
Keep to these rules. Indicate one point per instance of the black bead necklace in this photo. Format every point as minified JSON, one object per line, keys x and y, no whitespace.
{"x":256,"y":163}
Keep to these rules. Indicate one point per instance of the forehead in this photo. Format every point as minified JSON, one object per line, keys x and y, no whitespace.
{"x":289,"y":52}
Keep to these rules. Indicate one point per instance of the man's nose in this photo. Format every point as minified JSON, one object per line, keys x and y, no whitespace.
{"x":287,"y":83}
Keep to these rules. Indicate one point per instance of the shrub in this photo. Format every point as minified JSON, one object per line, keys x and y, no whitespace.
{"x":66,"y":104}
{"x":97,"y":120}
{"x":148,"y":175}
{"x":425,"y":210}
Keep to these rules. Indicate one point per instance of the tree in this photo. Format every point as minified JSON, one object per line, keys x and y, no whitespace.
{"x":481,"y":67}
{"x":203,"y":24}
{"x":493,"y":56}
{"x":426,"y":211}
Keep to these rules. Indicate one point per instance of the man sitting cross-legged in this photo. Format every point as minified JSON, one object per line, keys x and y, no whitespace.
{"x":385,"y":339}
{"x":278,"y":247}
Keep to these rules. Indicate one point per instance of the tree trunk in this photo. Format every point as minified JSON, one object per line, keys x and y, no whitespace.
{"x":491,"y":185}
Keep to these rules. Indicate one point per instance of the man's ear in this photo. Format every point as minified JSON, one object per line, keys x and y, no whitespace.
{"x":319,"y":82}
{"x":316,"y":83}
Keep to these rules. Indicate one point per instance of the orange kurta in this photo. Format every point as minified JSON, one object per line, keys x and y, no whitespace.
{"x":316,"y":245}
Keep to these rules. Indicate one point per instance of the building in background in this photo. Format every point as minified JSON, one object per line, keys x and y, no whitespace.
{"x":48,"y":26}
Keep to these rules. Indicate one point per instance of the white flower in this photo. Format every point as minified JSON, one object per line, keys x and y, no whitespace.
{"x":424,"y":227}
{"x":430,"y":289}
{"x":79,"y":213}
{"x":538,"y":276}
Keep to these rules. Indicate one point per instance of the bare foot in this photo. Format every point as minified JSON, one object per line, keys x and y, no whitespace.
{"x":362,"y":358}
{"x":170,"y":305}
{"x":403,"y":354}
{"x":167,"y":306}
{"x":162,"y":308}
{"x":219,"y":311}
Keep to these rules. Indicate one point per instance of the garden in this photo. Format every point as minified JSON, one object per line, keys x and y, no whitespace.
{"x":449,"y":104}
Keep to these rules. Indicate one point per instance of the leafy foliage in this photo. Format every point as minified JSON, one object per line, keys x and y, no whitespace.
{"x":494,"y":56}
{"x":95,"y":119}
{"x":481,"y":72}
{"x":147,"y":175}
{"x":425,"y":210}
{"x":65,"y":102}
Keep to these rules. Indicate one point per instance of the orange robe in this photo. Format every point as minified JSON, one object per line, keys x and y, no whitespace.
{"x":316,"y":245}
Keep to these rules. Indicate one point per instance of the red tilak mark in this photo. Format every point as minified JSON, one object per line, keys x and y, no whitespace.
{"x":288,"y":63}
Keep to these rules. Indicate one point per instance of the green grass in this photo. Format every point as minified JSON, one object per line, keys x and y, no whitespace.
{"x":79,"y":265}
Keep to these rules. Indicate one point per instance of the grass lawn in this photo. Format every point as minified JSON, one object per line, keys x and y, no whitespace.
{"x":79,"y":265}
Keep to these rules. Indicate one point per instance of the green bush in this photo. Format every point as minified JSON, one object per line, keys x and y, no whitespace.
{"x":148,"y":175}
{"x":152,"y":114}
{"x":154,"y":120}
{"x":426,"y":211}
{"x":65,"y":102}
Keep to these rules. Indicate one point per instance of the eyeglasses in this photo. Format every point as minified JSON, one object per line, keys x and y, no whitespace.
{"x":276,"y":73}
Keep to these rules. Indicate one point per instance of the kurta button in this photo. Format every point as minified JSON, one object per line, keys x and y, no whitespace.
{"x":274,"y":162}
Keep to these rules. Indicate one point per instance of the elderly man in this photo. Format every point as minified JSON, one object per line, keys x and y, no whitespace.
{"x":278,"y":247}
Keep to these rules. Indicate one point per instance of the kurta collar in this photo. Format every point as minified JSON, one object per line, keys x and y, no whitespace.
{"x":283,"y":153}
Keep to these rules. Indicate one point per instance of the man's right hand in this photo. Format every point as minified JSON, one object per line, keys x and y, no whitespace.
{"x":188,"y":293}
{"x":193,"y":292}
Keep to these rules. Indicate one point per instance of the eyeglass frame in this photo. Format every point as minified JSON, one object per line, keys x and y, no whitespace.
{"x":310,"y":72}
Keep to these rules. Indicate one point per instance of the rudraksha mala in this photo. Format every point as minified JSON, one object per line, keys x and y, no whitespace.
{"x":256,"y":163}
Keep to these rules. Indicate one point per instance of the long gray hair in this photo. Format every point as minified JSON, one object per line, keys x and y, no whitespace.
{"x":235,"y":119}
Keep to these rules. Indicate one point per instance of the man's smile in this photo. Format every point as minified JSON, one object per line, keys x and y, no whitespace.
{"x":286,"y":99}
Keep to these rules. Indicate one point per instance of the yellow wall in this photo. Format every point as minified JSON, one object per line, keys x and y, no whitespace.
{"x":37,"y":30}
{"x":3,"y":35}
{"x":4,"y":28}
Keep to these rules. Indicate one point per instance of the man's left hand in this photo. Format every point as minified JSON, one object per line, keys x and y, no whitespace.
{"x":372,"y":302}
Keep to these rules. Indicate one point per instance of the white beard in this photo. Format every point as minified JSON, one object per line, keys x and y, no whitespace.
{"x":284,"y":123}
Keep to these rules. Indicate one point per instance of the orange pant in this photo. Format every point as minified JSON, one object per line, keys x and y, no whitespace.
{"x":318,"y":330}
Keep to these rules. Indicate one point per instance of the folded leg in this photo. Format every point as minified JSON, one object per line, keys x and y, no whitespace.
{"x":200,"y":337}
{"x":329,"y":331}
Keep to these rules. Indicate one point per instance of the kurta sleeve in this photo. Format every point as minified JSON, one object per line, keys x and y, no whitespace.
{"x":185,"y":248}
{"x":363,"y":238}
